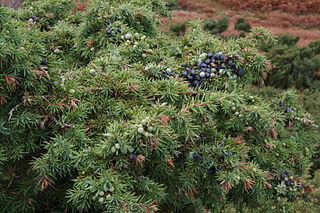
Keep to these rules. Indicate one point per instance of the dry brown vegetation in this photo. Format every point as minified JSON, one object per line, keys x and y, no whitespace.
{"x":306,"y":26}
{"x":291,"y":6}
{"x":12,"y":3}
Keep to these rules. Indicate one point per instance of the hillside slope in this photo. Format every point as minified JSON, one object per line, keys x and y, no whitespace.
{"x":307,"y":26}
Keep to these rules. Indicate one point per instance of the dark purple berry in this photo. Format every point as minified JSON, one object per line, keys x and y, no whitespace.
{"x":288,"y":109}
{"x":210,"y":55}
{"x":197,"y":157}
{"x":195,"y":83}
{"x":109,"y":30}
{"x":44,"y":61}
{"x":207,"y":61}
{"x":221,"y":57}
{"x":241,"y":72}
{"x":285,"y":172}
{"x":133,"y":156}
{"x":192,"y":72}
{"x":184,"y":64}
{"x":184,"y":74}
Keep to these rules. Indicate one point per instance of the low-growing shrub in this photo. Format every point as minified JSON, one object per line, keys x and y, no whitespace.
{"x":179,"y":28}
{"x":242,"y":25}
{"x":216,"y":27}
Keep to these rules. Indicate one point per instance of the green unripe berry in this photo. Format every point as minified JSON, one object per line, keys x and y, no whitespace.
{"x":117,"y":146}
{"x":141,"y":130}
{"x":144,"y":121}
{"x":113,"y":149}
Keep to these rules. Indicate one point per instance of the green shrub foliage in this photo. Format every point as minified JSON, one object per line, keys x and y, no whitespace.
{"x":179,"y":28}
{"x":95,"y":116}
{"x":293,"y":66}
{"x":242,"y":25}
{"x":216,"y":27}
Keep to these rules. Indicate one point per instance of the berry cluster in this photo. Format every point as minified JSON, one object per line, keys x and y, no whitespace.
{"x":34,"y":19}
{"x":205,"y":68}
{"x":206,"y":163}
{"x":287,"y":108}
{"x":102,"y":195}
{"x":226,"y":152}
{"x":290,"y":108}
{"x":287,"y":180}
{"x":145,"y":127}
{"x":161,"y":71}
{"x":113,"y":30}
{"x":111,"y":19}
{"x":115,"y":148}
{"x":110,"y":29}
{"x":209,"y":66}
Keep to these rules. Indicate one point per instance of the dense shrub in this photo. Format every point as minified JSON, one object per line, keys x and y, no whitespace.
{"x":242,"y":25}
{"x":179,"y":28}
{"x":293,"y":66}
{"x":216,"y":27}
{"x":96,"y":117}
{"x":286,"y":39}
{"x":172,"y":4}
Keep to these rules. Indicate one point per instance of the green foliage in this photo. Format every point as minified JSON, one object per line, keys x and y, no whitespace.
{"x":294,"y":67}
{"x":242,"y":25}
{"x":172,"y":4}
{"x":286,"y":39}
{"x":96,"y":128}
{"x":179,"y":28}
{"x":216,"y":27}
